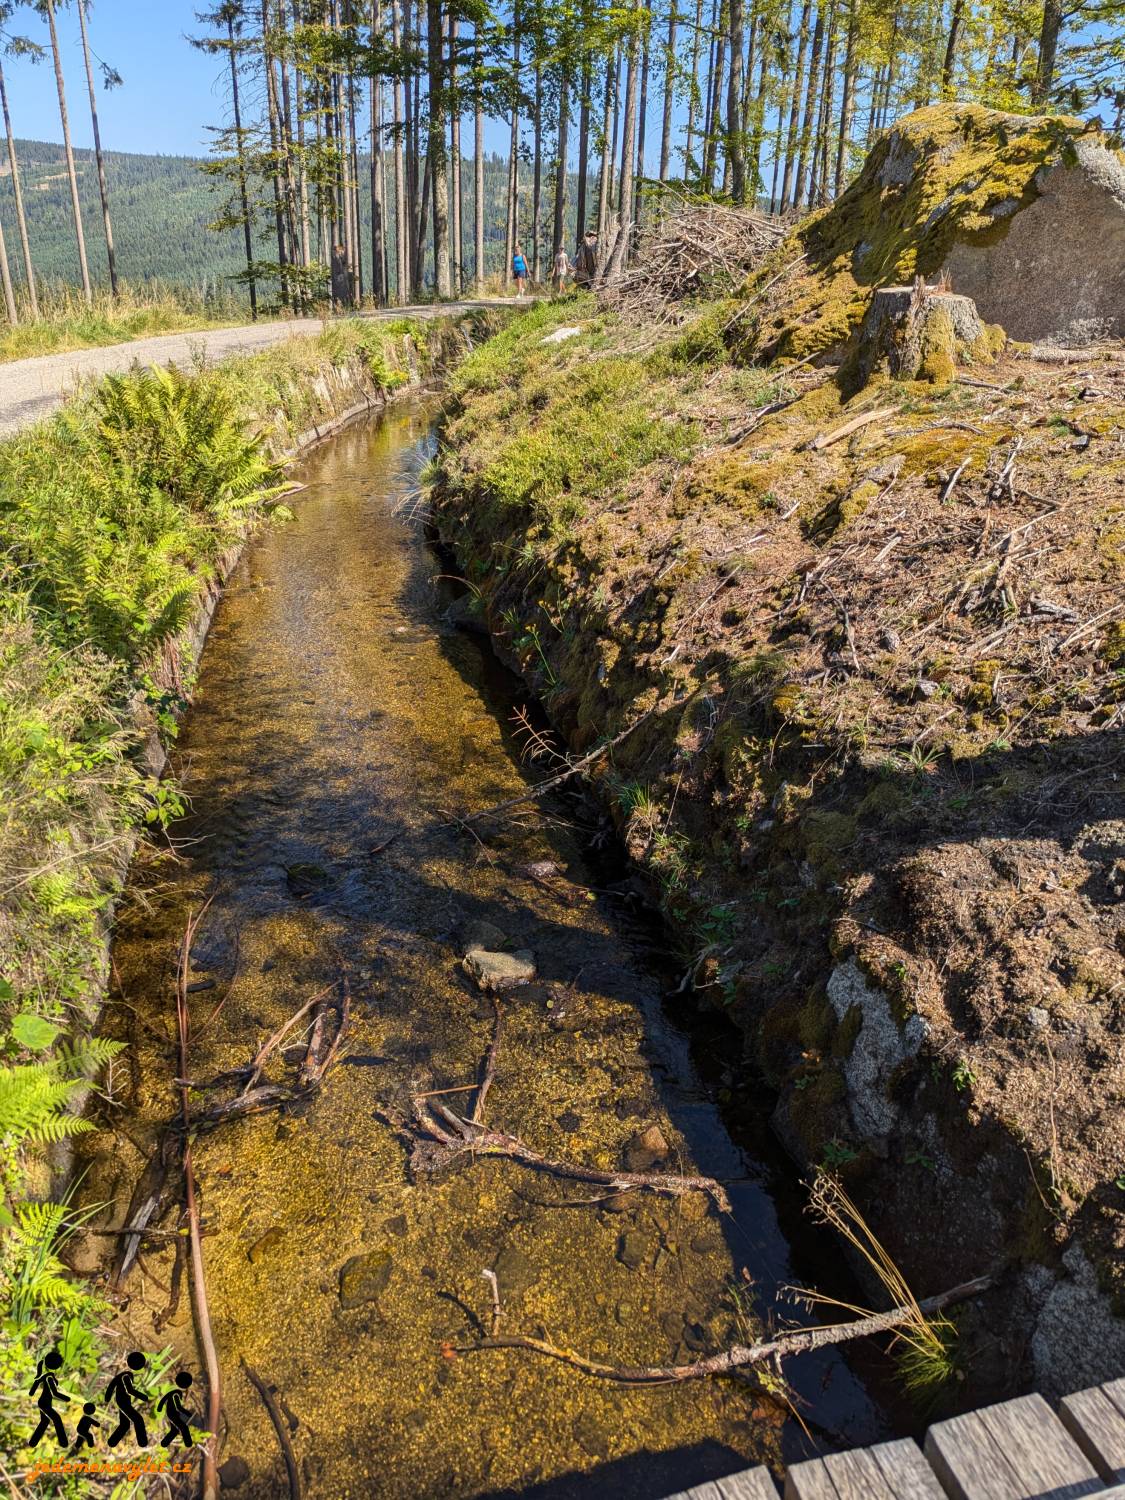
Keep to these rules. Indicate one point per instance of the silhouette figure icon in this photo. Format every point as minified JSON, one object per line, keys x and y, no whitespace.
{"x":177,"y":1414}
{"x":86,"y":1425}
{"x":48,"y":1388}
{"x":122,"y":1390}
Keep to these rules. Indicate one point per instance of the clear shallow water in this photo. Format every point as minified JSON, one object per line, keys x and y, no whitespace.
{"x":335,"y":706}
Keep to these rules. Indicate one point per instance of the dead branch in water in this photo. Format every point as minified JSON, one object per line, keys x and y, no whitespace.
{"x":436,"y":1145}
{"x":531,"y":795}
{"x":740,"y":1356}
{"x":274,"y":1413}
{"x":477,"y":1116}
{"x":210,"y":1488}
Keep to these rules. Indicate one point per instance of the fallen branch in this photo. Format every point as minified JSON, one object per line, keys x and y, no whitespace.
{"x":278,"y":1421}
{"x":440,"y":1145}
{"x":740,"y":1356}
{"x":531,"y":795}
{"x":826,"y":439}
{"x":477,"y":1116}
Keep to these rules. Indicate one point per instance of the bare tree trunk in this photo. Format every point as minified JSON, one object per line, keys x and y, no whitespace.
{"x":715,"y":118}
{"x":275,"y":154}
{"x":810,"y":106}
{"x":818,"y":172}
{"x":512,"y":228}
{"x":478,"y":164}
{"x":603,"y":183}
{"x":795,"y":109}
{"x":455,"y":151}
{"x":244,"y":203}
{"x":537,"y":168}
{"x":439,"y":164}
{"x":6,"y":273}
{"x":423,"y":212}
{"x":378,"y":231}
{"x":302,"y":171}
{"x":76,"y":207}
{"x":642,"y":116}
{"x":583,"y":149}
{"x":669,"y":92}
{"x":618,"y":258}
{"x":951,"y":48}
{"x":736,"y":145}
{"x":400,"y":174}
{"x":847,"y":105}
{"x":558,"y":236}
{"x":103,"y":190}
{"x":693,"y":93}
{"x":21,"y":217}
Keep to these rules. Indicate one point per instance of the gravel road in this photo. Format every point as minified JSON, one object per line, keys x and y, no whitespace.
{"x":32,"y":388}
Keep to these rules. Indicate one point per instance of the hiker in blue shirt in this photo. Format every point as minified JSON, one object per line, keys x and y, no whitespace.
{"x":519,"y":271}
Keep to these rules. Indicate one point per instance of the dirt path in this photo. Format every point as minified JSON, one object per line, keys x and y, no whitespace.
{"x":32,"y":388}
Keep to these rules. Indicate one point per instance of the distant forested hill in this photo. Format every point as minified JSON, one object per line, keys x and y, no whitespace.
{"x":161,"y":207}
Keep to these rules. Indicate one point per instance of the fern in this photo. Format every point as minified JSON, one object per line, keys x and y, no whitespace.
{"x":34,"y":1096}
{"x":35,"y":1276}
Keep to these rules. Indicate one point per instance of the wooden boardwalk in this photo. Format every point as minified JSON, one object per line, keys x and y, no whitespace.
{"x":1018,"y":1450}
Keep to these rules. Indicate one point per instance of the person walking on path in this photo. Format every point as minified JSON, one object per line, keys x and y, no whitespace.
{"x":48,"y":1387}
{"x":586,"y":261}
{"x":176,"y":1412}
{"x":562,"y":270}
{"x":519,"y":271}
{"x":122,"y":1390}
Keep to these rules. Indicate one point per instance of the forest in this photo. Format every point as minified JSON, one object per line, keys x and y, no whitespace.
{"x":360,"y":130}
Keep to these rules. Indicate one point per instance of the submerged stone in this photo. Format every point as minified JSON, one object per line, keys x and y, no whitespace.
{"x":646,"y":1149}
{"x":264,"y":1245}
{"x":233,"y":1472}
{"x":364,"y":1277}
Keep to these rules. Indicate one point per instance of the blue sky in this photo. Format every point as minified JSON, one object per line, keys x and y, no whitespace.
{"x":170,"y":93}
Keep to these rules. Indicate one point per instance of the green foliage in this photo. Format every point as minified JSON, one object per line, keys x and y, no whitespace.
{"x":34,"y":1098}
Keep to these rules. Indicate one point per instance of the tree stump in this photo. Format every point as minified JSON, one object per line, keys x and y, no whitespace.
{"x":921,"y":333}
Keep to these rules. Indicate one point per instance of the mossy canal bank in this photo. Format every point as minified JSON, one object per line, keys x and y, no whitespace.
{"x":869,"y":642}
{"x":335,"y":706}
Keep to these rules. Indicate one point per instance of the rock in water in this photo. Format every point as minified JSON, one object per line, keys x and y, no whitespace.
{"x":364,"y":1277}
{"x":500,"y":971}
{"x":233,"y":1473}
{"x":646,"y":1150}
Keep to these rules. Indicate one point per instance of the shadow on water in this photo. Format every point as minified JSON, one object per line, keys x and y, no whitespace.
{"x":335,"y":705}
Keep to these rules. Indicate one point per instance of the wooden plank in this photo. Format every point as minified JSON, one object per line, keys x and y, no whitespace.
{"x":1013,"y":1451}
{"x":750,"y":1484}
{"x":857,"y":1476}
{"x":906,"y":1471}
{"x":809,"y":1481}
{"x":1096,"y":1421}
{"x":967,"y":1461}
{"x":1046,"y":1459}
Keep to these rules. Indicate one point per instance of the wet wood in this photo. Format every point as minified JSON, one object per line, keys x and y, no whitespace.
{"x":1095,"y":1420}
{"x":1012,"y":1451}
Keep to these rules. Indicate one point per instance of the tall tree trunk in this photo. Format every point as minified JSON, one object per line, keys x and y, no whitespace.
{"x":620,"y":255}
{"x":642,"y":116}
{"x":478,"y":163}
{"x":103,"y":190}
{"x":693,"y":89}
{"x":795,"y":109}
{"x":21,"y":217}
{"x":455,"y":151}
{"x":818,"y":171}
{"x":275,"y":155}
{"x":847,"y":103}
{"x":401,"y":292}
{"x":558,"y":237}
{"x":951,"y":49}
{"x":378,"y":230}
{"x":411,"y":127}
{"x":583,"y":149}
{"x":706,"y":145}
{"x":423,"y":213}
{"x":669,"y":93}
{"x":302,"y":168}
{"x":512,"y":227}
{"x":439,"y":166}
{"x":537,"y":166}
{"x":285,"y":106}
{"x":241,"y":151}
{"x":715,"y":119}
{"x":810,"y":108}
{"x":76,"y":207}
{"x":736,"y":143}
{"x":603,"y":181}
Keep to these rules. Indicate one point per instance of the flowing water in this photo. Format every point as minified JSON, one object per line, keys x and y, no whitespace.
{"x":334,"y":708}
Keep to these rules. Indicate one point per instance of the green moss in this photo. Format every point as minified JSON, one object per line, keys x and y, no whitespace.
{"x":826,"y":835}
{"x":815,"y":1109}
{"x":847,"y":1033}
{"x":1113,"y":644}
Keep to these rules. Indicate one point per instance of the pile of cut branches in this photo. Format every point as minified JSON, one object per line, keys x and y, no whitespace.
{"x":701,"y":250}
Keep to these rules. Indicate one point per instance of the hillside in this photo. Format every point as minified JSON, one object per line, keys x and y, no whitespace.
{"x":860,"y":637}
{"x":161,"y":207}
